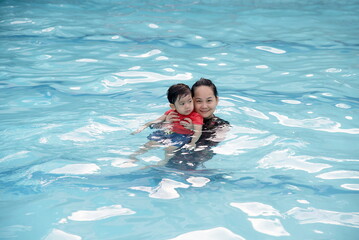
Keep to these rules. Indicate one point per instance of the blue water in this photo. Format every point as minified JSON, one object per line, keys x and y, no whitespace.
{"x":77,"y":77}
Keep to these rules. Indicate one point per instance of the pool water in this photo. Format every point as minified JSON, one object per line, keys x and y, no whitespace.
{"x":77,"y":77}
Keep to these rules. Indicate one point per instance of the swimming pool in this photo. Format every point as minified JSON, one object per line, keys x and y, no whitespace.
{"x":78,"y":76}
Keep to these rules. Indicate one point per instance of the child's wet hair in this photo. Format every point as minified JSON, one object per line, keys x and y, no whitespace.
{"x":178,"y":90}
{"x":205,"y":82}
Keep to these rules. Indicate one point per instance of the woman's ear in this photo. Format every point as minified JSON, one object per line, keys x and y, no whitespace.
{"x":172,"y":106}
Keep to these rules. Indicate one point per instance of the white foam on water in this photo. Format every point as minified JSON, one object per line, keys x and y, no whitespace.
{"x":333,"y":70}
{"x":198,"y":181}
{"x":144,"y":55}
{"x":75,"y":169}
{"x":16,"y":155}
{"x":343,"y":105}
{"x":254,"y":113}
{"x":244,"y":98}
{"x":302,"y":201}
{"x":152,"y":25}
{"x":262,"y":66}
{"x":254,"y":209}
{"x":288,"y":160}
{"x":239,"y":145}
{"x":268,"y":226}
{"x":318,"y":124}
{"x":341,"y":174}
{"x":88,"y":60}
{"x":209,"y":58}
{"x":166,"y":189}
{"x":135,"y":68}
{"x":161,"y":58}
{"x":169,"y":69}
{"x":314,"y":215}
{"x":354,"y":187}
{"x":100,"y":213}
{"x":219,"y":233}
{"x":130,"y":77}
{"x":21,"y":22}
{"x":271,"y":49}
{"x":57,"y":234}
{"x":90,"y":132}
{"x":151,"y":159}
{"x":291,"y":101}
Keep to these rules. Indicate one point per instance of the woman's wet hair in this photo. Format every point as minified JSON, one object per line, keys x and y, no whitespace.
{"x":204,"y":82}
{"x":178,"y":90}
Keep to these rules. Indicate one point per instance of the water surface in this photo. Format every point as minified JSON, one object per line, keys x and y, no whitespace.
{"x":76,"y":78}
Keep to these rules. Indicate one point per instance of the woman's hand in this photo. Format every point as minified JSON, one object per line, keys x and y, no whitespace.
{"x":187,"y":123}
{"x":172,"y":117}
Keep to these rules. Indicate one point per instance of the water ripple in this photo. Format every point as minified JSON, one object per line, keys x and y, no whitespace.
{"x":145,"y":77}
{"x":288,"y":160}
{"x":319,"y":124}
{"x":314,"y":215}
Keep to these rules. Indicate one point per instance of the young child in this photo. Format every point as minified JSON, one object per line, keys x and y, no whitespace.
{"x":174,"y":135}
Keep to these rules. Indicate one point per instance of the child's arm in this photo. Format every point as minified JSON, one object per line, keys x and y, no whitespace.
{"x":158,"y":120}
{"x":197,"y":134}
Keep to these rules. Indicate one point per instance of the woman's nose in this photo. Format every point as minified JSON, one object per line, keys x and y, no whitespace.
{"x":203,"y":105}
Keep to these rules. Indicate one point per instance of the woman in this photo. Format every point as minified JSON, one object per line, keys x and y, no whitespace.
{"x":205,"y":97}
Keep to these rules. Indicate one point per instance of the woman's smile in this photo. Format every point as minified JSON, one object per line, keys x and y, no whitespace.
{"x":205,"y":102}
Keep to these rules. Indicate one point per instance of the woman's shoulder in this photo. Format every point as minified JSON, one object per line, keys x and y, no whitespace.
{"x":215,"y":122}
{"x":221,"y":121}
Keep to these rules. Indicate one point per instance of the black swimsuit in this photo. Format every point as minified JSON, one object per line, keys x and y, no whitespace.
{"x":190,"y":160}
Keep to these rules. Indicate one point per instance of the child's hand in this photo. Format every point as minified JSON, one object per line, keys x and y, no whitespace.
{"x":139,"y":130}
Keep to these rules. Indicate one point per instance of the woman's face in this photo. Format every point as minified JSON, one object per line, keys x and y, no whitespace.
{"x":205,"y":102}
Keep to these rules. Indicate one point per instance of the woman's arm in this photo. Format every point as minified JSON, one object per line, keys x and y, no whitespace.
{"x":187,"y":123}
{"x":158,"y":120}
{"x":221,"y":133}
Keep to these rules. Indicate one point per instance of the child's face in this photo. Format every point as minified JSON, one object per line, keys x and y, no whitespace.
{"x":183,"y":104}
